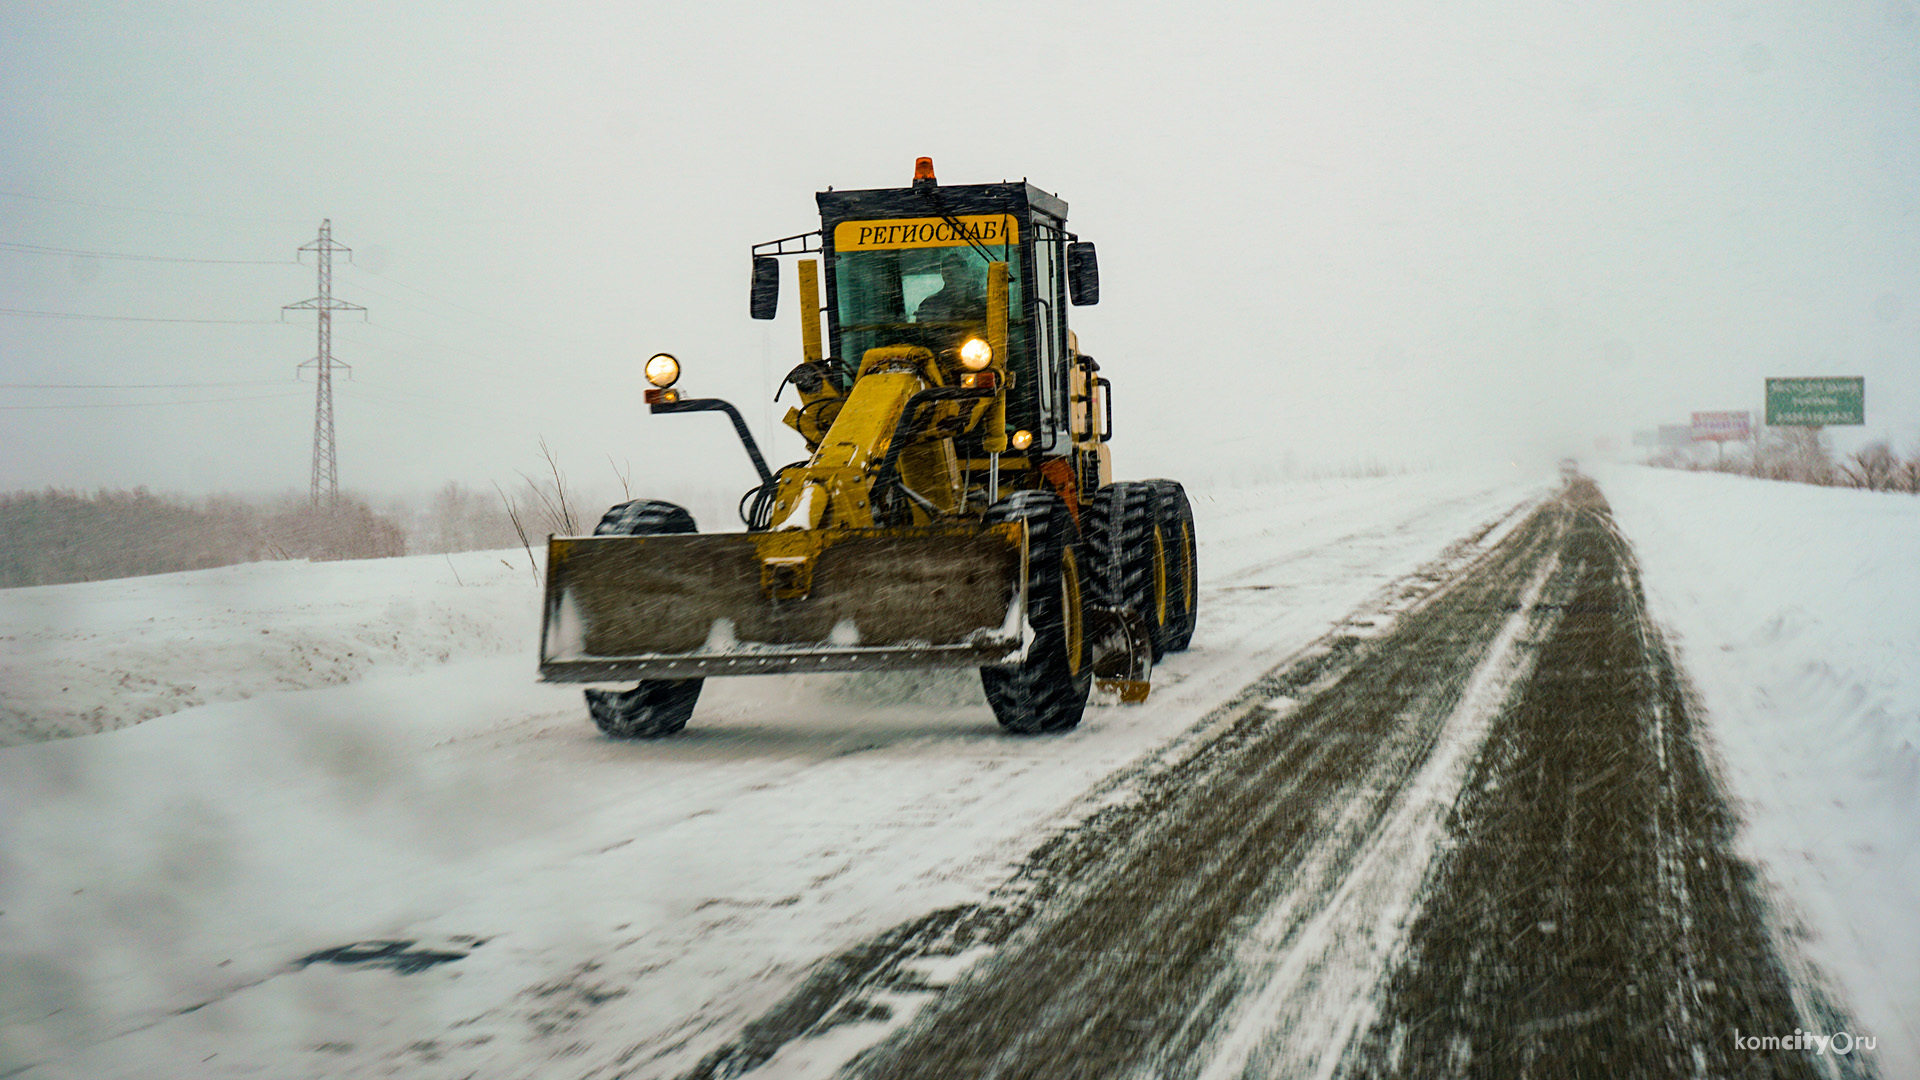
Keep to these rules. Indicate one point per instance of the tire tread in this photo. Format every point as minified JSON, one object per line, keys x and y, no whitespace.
{"x":1040,"y":695}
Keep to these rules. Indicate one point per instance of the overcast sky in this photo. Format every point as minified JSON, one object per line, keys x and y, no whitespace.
{"x":1328,"y":233}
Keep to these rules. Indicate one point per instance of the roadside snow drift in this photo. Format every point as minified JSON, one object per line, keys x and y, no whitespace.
{"x":103,"y":655}
{"x":1796,"y":611}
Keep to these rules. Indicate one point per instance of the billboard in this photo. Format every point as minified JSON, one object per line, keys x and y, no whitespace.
{"x":1720,"y":426}
{"x":1816,"y":402}
{"x":1674,"y":436}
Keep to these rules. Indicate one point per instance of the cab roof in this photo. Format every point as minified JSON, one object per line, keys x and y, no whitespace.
{"x":928,"y":199}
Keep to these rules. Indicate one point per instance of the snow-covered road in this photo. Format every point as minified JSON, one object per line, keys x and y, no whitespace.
{"x":571,"y":902}
{"x":320,"y":820}
{"x":1474,"y":833}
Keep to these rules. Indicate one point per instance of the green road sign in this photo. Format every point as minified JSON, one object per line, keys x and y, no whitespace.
{"x":1816,"y":402}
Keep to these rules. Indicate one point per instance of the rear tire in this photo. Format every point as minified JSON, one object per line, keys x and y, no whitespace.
{"x":1047,"y":691}
{"x":1175,"y":514}
{"x":655,"y":707}
{"x":1130,"y":556}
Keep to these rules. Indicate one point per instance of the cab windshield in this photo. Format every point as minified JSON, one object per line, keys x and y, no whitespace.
{"x":934,"y":297}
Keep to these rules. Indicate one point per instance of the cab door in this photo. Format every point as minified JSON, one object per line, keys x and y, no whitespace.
{"x":1049,"y":337}
{"x":1086,"y":418}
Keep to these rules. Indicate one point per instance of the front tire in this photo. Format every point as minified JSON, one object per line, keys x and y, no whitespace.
{"x":650,"y":710}
{"x":1047,"y":691}
{"x":645,"y":517}
{"x":656,"y":707}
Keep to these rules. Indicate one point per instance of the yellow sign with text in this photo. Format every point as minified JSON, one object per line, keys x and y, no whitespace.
{"x":988,"y":230}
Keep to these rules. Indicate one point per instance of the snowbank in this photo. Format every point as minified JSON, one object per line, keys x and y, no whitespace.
{"x":1796,"y":611}
{"x":102,"y":655}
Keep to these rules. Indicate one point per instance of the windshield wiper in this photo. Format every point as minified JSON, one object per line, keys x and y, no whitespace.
{"x":946,"y":215}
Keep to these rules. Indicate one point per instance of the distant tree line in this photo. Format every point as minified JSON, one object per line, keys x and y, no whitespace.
{"x":58,"y":536}
{"x":455,"y":518}
{"x":1803,"y":455}
{"x":51,"y":537}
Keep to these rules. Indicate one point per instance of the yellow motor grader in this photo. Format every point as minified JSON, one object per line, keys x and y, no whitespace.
{"x":956,"y":509}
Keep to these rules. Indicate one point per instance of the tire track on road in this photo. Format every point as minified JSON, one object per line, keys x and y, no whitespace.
{"x":1281,"y":891}
{"x":1590,"y":918}
{"x":890,"y":972}
{"x":1109,"y":977}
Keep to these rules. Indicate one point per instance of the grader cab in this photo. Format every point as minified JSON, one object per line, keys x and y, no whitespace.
{"x":956,"y":508}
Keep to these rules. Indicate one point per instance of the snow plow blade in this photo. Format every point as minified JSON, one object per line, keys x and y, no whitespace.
{"x":693,"y":606}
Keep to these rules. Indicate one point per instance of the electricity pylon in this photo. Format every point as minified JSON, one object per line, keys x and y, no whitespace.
{"x":326,"y":467}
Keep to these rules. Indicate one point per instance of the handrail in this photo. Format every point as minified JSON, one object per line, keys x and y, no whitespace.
{"x":890,"y":465}
{"x":739,"y":425}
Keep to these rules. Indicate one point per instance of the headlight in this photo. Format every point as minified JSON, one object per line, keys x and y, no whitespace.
{"x":663,"y":370}
{"x":975,"y":354}
{"x":1022,"y":439}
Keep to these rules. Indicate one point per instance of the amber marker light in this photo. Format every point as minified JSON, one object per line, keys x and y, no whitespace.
{"x":663,"y":370}
{"x":979,"y":380}
{"x":1021,"y":440}
{"x":975,"y":354}
{"x":657,"y":396}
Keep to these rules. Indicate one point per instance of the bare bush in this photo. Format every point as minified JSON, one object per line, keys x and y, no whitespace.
{"x":346,"y":529}
{"x":459,"y":518}
{"x":1874,"y":467}
{"x":1805,"y":455}
{"x":1799,"y":454}
{"x":545,"y":503}
{"x":519,"y":522}
{"x":555,"y":502}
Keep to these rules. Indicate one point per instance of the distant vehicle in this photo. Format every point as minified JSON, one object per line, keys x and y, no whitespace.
{"x":957,"y":508}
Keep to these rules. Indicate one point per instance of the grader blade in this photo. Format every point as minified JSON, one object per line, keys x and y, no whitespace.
{"x":692,"y":606}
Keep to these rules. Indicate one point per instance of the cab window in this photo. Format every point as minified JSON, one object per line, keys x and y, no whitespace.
{"x":930,"y":296}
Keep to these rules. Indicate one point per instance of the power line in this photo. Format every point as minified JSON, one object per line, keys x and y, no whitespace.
{"x":551,"y":339}
{"x":39,"y":249}
{"x":387,"y":395}
{"x":511,"y":372}
{"x":132,"y":209}
{"x":385,"y":280}
{"x":356,"y":392}
{"x":135,"y":386}
{"x":135,"y":318}
{"x":153,"y":404}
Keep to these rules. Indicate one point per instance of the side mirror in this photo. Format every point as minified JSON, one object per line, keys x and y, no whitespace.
{"x":1083,"y":274}
{"x":765,"y":299}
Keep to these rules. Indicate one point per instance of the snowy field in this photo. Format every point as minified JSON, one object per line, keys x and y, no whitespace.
{"x":1796,"y":612}
{"x":82,"y":659}
{"x":161,"y":885}
{"x":313,"y":756}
